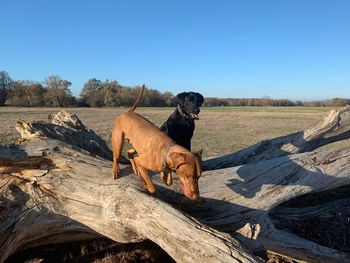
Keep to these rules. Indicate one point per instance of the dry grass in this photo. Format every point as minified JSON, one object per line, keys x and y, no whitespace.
{"x":219,"y":130}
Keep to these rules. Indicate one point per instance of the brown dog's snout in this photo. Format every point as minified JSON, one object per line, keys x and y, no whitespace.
{"x":194,"y":196}
{"x":190,"y":189}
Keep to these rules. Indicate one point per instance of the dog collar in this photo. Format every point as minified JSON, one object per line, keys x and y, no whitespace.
{"x":182,"y":112}
{"x":165,"y":156}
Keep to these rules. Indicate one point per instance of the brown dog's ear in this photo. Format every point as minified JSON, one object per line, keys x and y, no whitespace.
{"x":198,"y":162}
{"x":199,"y":154}
{"x":176,"y":159}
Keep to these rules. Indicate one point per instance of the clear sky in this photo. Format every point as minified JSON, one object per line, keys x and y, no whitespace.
{"x":295,"y":49}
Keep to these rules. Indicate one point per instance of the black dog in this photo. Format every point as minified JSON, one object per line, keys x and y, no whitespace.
{"x":180,"y":125}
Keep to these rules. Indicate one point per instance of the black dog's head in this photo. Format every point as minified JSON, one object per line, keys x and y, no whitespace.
{"x":189,"y":103}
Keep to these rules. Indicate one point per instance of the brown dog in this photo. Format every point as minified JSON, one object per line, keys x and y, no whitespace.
{"x":154,"y":150}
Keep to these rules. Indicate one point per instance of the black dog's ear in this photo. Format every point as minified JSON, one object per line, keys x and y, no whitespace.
{"x":200,"y":98}
{"x":181,"y":96}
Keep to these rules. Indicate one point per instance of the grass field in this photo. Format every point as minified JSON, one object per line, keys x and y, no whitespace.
{"x":219,"y":131}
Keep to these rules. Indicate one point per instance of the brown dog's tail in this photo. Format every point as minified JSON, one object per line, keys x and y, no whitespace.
{"x":137,"y":99}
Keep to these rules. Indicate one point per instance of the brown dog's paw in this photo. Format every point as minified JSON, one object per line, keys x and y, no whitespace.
{"x":151,"y":189}
{"x":115,"y":173}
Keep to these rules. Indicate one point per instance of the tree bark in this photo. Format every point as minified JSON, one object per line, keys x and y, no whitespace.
{"x":64,"y":191}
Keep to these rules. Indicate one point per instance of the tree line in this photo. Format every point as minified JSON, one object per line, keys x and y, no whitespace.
{"x":263,"y":102}
{"x":54,"y":92}
{"x":215,"y":102}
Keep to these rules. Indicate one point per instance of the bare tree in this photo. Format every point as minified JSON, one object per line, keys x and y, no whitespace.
{"x":110,"y":91}
{"x":89,"y":93}
{"x":26,"y":94}
{"x":169,"y":98}
{"x":339,"y":102}
{"x":5,"y":83}
{"x":58,"y":93}
{"x":111,"y":94}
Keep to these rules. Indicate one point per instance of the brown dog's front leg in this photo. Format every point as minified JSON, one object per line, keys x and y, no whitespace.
{"x":117,"y":145}
{"x":147,"y":180}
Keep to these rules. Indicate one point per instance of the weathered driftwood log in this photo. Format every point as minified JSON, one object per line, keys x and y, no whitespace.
{"x":68,"y":128}
{"x":71,"y":195}
{"x":66,"y":194}
{"x":334,"y":127}
{"x":250,"y":192}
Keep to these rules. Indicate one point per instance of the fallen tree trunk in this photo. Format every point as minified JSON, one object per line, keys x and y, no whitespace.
{"x":66,"y":194}
{"x":70,"y":195}
{"x":75,"y":197}
{"x":250,"y":192}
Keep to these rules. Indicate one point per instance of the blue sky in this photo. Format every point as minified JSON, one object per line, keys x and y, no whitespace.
{"x":295,"y":49}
